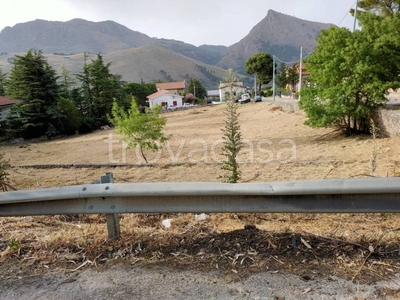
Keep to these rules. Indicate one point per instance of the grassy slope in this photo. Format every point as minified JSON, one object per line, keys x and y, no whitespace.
{"x":149,"y":63}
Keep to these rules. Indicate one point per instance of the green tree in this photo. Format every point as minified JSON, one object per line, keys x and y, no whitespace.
{"x":71,"y":119}
{"x":86,"y":100}
{"x":2,"y":83}
{"x":66,"y":82}
{"x":233,"y":143}
{"x":102,"y":88}
{"x":35,"y":82}
{"x":4,"y":166}
{"x":262,"y":64}
{"x":197,"y":89}
{"x":352,"y":72}
{"x":230,"y":80}
{"x":282,"y":78}
{"x":99,"y":87}
{"x":139,"y":91}
{"x":293,"y":77}
{"x":139,"y":130}
{"x":383,"y":8}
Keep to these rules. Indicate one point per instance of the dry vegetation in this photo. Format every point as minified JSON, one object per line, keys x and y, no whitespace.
{"x":360,"y":247}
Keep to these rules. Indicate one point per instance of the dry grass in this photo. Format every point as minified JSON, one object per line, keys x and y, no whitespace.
{"x":357,"y":246}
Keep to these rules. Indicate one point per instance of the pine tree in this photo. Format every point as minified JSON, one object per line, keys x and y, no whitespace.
{"x":232,"y":137}
{"x":262,"y":64}
{"x":2,"y":83}
{"x":233,"y":143}
{"x":66,"y":83}
{"x":281,"y":77}
{"x":85,"y":100}
{"x":35,"y":82}
{"x":197,"y":89}
{"x":230,"y":80}
{"x":99,"y":88}
{"x":293,"y":77}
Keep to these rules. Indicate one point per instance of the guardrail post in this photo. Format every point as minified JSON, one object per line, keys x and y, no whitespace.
{"x":112,"y":219}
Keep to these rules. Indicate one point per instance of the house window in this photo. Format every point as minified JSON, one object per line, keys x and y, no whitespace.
{"x":163,"y":104}
{"x":175,"y":103}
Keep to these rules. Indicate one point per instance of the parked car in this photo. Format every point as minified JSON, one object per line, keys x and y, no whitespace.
{"x":245,"y":99}
{"x":172,"y":107}
{"x":258,"y":99}
{"x":187,"y":105}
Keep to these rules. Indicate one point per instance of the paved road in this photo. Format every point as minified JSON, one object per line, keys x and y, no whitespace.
{"x":152,"y":281}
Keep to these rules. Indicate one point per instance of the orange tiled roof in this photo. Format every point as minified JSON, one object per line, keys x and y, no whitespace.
{"x":180,"y":85}
{"x":157,"y":94}
{"x":7,"y":101}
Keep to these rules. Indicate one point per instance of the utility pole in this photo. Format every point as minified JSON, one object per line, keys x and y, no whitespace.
{"x":355,"y":17}
{"x":255,"y":85}
{"x":273,"y":78}
{"x":301,"y":71}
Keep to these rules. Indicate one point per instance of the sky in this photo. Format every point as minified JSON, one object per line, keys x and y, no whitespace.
{"x":212,"y":22}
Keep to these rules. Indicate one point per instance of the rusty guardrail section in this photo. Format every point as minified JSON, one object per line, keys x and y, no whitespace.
{"x":362,"y":195}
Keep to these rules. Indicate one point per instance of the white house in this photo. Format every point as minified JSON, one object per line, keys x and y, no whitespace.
{"x":176,"y":88}
{"x":165,"y":99}
{"x":5,"y":106}
{"x":238,"y":88}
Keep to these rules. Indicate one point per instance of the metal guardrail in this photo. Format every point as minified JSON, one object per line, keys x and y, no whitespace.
{"x":362,"y":195}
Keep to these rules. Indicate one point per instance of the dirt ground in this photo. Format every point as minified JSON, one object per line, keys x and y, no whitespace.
{"x":335,"y":256}
{"x":278,"y":147}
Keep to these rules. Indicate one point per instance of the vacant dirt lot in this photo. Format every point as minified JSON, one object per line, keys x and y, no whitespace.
{"x":278,"y":147}
{"x":359,"y":248}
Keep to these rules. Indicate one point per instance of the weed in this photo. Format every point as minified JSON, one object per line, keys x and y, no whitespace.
{"x":4,"y":165}
{"x":373,"y":160}
{"x":13,"y":244}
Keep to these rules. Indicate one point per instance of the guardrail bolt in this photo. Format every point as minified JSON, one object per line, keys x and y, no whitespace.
{"x":84,"y":189}
{"x":90,"y":206}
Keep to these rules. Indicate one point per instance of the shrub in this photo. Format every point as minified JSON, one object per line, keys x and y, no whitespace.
{"x":4,"y":166}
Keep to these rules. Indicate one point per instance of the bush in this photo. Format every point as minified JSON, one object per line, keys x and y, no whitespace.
{"x":87,"y":124}
{"x":71,"y":120}
{"x":3,"y":172}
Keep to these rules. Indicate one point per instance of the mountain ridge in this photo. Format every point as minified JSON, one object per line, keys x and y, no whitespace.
{"x":279,"y":34}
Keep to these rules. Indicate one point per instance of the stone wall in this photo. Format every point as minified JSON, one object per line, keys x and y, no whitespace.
{"x":387,"y":120}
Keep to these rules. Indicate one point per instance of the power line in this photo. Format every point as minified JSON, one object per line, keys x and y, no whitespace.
{"x":293,"y":62}
{"x":347,"y":14}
